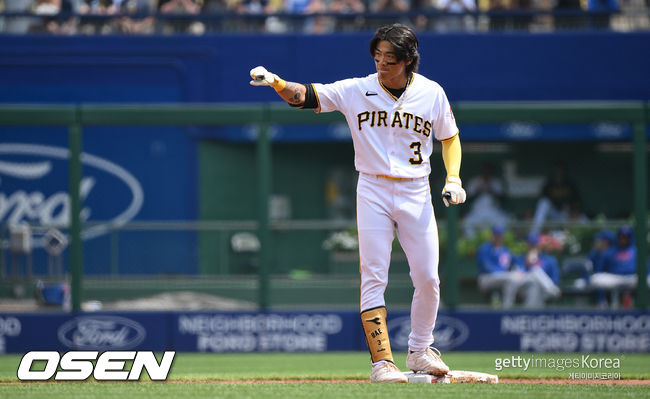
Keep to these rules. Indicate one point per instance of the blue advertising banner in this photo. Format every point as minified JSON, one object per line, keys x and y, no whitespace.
{"x":126,"y":171}
{"x":518,"y":331}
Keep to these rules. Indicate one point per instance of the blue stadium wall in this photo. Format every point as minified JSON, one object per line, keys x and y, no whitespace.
{"x":490,"y":67}
{"x":124,"y":180}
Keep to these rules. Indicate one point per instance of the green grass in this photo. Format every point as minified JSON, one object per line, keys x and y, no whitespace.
{"x":202,"y":370}
{"x":291,"y":391}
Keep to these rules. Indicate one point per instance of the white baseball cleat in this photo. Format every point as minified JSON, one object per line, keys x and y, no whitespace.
{"x":426,"y":361}
{"x":386,"y":371}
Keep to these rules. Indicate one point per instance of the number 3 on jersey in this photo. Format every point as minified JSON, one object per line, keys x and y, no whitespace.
{"x":415,"y":146}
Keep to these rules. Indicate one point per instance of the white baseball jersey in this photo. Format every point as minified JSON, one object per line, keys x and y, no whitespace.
{"x":391,"y":136}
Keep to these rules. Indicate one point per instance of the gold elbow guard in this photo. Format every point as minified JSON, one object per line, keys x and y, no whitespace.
{"x":374,"y":326}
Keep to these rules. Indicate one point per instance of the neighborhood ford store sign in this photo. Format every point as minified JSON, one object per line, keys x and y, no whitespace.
{"x":267,"y":332}
{"x":321,"y":331}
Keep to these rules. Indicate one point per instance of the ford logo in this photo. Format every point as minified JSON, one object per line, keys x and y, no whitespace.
{"x":101,"y":333}
{"x":449,"y":333}
{"x":36,"y":162}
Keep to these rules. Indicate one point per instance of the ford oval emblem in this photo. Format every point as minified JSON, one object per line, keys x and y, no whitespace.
{"x":449,"y":333}
{"x":39,"y":207}
{"x":101,"y":333}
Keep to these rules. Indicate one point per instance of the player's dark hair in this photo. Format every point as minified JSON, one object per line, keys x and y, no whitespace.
{"x":403,"y":40}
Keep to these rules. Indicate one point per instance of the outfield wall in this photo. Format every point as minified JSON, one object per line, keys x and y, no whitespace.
{"x":540,"y":331}
{"x":471,"y":67}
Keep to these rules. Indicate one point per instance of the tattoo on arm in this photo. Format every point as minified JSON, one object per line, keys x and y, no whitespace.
{"x":294,"y":93}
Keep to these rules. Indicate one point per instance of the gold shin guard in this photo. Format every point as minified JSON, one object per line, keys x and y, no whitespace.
{"x":374,"y":326}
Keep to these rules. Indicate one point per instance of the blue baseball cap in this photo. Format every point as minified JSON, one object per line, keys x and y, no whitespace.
{"x":498,"y":229}
{"x":625,"y":231}
{"x":606,"y":235}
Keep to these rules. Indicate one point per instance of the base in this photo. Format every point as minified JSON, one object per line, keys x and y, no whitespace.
{"x":453,"y":377}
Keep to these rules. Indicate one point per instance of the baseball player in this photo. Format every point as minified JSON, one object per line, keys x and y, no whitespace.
{"x":393,"y":116}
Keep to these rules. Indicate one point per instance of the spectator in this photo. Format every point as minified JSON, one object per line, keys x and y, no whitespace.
{"x":17,"y":25}
{"x":459,"y":22}
{"x":319,"y":24}
{"x":389,"y":7}
{"x":510,"y":14}
{"x":618,"y":269}
{"x":53,"y":25}
{"x":347,"y":7}
{"x":558,"y":196}
{"x":568,"y":21}
{"x":297,"y":7}
{"x":484,"y":193}
{"x":122,"y":24}
{"x":230,"y":23}
{"x":603,"y":10}
{"x":181,"y":7}
{"x":97,"y":7}
{"x":542,"y":274}
{"x":603,"y":242}
{"x":47,"y":7}
{"x":495,"y":269}
{"x":524,"y":21}
{"x":274,"y":24}
{"x":216,"y":6}
{"x":256,"y":10}
{"x":254,"y":7}
{"x":128,"y":25}
{"x":499,"y":21}
{"x":422,"y":22}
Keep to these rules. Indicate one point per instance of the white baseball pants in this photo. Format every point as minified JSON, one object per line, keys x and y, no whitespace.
{"x":383,"y":207}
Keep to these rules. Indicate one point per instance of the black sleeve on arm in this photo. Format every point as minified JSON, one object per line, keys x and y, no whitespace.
{"x":310,"y":98}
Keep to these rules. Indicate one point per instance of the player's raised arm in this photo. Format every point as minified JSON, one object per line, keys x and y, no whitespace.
{"x":291,"y":92}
